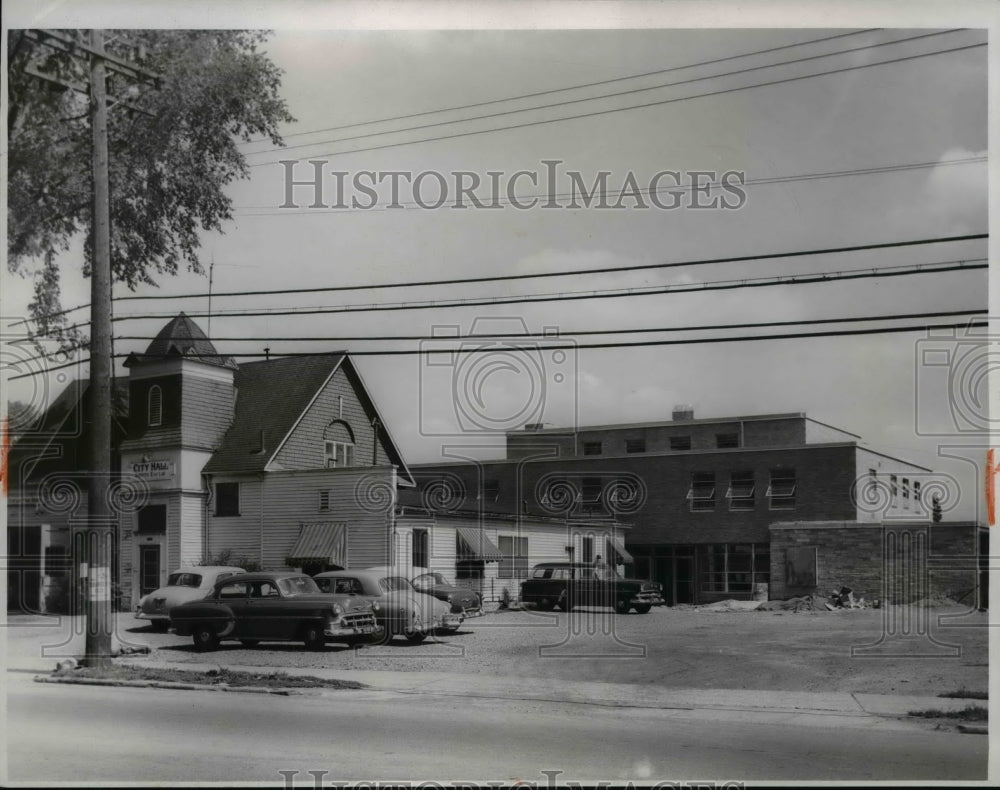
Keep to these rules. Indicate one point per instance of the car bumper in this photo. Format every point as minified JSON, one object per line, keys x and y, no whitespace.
{"x":652,"y":599}
{"x":140,"y":615}
{"x":361,"y":629}
{"x":467,"y":613}
{"x":449,"y":621}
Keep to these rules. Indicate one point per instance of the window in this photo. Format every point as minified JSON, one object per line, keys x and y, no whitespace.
{"x":420,"y":548}
{"x":491,"y":490}
{"x":916,"y":491}
{"x":733,"y":567}
{"x":155,"y":406}
{"x":781,"y":492}
{"x":588,"y":549}
{"x":635,"y":445}
{"x":893,"y":490}
{"x":723,"y":440}
{"x":591,"y":448}
{"x":514,"y":557}
{"x":234,"y":590}
{"x":680,"y":442}
{"x":591,"y":492}
{"x":227,"y":499}
{"x":906,"y":492}
{"x":741,"y":491}
{"x":338,"y":454}
{"x":702,"y":492}
{"x":324,"y":500}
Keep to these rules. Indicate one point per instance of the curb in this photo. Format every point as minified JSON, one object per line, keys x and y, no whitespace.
{"x":973,"y":729}
{"x":176,"y":685}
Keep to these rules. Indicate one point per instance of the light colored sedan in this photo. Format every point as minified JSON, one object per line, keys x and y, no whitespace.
{"x":191,"y":583}
{"x":398,"y":607}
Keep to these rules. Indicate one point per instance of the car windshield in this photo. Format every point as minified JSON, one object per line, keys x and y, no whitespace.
{"x":297,"y":585}
{"x":389,"y":583}
{"x":428,"y":579}
{"x":184,"y":580}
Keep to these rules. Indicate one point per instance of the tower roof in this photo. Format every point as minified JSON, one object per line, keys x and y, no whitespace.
{"x":182,"y":337}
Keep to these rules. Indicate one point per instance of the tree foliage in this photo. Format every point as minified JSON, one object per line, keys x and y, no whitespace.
{"x":173,"y":150}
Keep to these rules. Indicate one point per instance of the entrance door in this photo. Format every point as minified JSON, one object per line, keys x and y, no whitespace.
{"x":684,"y":579}
{"x":149,"y":568}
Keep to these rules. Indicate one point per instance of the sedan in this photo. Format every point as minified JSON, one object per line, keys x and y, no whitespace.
{"x":183,"y":585}
{"x":274,"y":607}
{"x":462,"y":600}
{"x":398,"y":607}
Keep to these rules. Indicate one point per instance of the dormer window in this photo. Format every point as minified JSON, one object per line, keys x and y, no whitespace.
{"x":155,"y":406}
{"x":338,"y":454}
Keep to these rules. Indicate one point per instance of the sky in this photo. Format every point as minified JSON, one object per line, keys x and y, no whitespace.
{"x":924,"y":118}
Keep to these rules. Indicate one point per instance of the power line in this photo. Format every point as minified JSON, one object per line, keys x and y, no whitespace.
{"x":621,"y":344}
{"x":658,"y":103}
{"x":498,"y":201}
{"x":572,"y":273}
{"x":615,"y":94}
{"x":799,"y":279}
{"x":536,"y":94}
{"x":562,"y":333}
{"x":574,"y":346}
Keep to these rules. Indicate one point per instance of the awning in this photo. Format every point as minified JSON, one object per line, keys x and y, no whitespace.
{"x":619,"y":549}
{"x":324,"y":541}
{"x":480,"y":546}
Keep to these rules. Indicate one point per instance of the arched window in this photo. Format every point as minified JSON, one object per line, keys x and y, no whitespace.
{"x":155,"y":411}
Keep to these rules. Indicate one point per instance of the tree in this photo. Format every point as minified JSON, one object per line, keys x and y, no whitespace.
{"x":173,"y":150}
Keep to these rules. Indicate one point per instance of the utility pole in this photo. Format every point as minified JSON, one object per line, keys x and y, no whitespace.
{"x":94,"y":544}
{"x":100,"y":531}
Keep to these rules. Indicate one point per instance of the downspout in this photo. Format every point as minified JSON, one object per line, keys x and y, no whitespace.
{"x":260,"y":516}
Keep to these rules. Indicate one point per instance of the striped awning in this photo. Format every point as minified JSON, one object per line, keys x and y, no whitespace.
{"x":324,"y":541}
{"x":478,"y":545}
{"x":619,"y":548}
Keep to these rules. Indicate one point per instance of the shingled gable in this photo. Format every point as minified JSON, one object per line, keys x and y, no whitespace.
{"x":272,"y":396}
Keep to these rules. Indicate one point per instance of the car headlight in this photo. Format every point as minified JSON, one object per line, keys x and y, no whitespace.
{"x":376,"y":606}
{"x":337,"y":609}
{"x":450,"y":596}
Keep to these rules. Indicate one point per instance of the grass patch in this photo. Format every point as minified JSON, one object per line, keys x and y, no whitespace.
{"x":213,"y":677}
{"x":964,"y":693}
{"x":969,"y":713}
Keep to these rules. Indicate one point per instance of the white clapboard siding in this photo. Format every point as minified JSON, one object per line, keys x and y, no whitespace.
{"x":191,"y":532}
{"x":239,"y":534}
{"x":292,"y":498}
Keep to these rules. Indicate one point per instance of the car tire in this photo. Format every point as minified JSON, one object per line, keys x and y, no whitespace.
{"x":160,"y":626}
{"x":249,"y":642}
{"x":643,"y":608}
{"x":622,"y":606}
{"x":313,"y":637}
{"x":546,"y":605}
{"x":205,"y":638}
{"x":415,"y":637}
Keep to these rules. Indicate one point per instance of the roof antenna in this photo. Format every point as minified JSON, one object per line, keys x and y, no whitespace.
{"x":267,"y":352}
{"x":211,"y":272}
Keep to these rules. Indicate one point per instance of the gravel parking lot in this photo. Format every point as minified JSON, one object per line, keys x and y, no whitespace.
{"x":686,"y":647}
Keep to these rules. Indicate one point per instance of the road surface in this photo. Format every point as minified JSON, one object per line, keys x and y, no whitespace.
{"x":70,"y":733}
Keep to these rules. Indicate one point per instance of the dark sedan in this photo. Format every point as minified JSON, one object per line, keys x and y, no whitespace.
{"x":273,"y":607}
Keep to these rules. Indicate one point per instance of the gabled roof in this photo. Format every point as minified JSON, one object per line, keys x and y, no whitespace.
{"x":272,"y":395}
{"x":182,"y":337}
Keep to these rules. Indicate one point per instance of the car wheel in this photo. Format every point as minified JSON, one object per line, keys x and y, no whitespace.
{"x":160,"y":625}
{"x":313,"y":637}
{"x":249,"y":642}
{"x":643,"y":608}
{"x":416,"y":637}
{"x":205,"y":638}
{"x":564,"y":602}
{"x":546,"y":605}
{"x":622,"y":606}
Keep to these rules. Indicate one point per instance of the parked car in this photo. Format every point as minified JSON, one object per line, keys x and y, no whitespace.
{"x":274,"y":607}
{"x":401,"y":609}
{"x":185,"y":584}
{"x":569,"y":584}
{"x":462,"y":600}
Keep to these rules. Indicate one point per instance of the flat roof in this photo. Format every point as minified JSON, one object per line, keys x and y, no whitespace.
{"x":662,"y":423}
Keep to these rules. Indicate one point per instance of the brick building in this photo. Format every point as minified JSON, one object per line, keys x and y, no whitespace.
{"x":701,"y":495}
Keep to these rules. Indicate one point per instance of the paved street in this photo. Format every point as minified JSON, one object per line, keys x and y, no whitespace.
{"x":120,"y":734}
